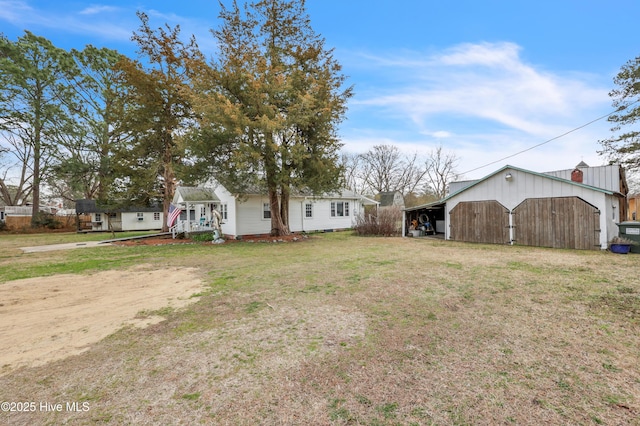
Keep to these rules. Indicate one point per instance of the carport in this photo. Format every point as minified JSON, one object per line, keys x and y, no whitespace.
{"x":434,"y":213}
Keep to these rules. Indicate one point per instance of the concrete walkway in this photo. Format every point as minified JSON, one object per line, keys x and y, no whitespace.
{"x":66,"y":246}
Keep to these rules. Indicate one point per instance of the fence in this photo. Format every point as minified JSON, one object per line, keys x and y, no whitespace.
{"x":23,"y":223}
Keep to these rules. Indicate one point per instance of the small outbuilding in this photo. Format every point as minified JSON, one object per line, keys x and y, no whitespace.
{"x":391,"y":199}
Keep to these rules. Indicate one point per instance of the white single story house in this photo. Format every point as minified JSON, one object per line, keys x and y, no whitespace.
{"x":575,"y":208}
{"x":121,"y":219}
{"x":251,"y":215}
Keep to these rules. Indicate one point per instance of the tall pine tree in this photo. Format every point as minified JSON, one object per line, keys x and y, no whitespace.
{"x":156,"y":113}
{"x":34,"y":106}
{"x":624,"y":145}
{"x":270,"y":105}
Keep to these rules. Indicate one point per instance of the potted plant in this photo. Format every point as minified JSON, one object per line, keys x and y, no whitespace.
{"x":621,"y":245}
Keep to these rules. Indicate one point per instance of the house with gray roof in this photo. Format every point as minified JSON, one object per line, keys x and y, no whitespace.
{"x":251,"y":215}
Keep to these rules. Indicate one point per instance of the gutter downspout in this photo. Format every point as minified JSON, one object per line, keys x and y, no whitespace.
{"x":404,"y":218}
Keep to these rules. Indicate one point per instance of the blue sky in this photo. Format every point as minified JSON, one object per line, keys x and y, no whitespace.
{"x":484,"y":79}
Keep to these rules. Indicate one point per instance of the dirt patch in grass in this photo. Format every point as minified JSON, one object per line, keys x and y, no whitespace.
{"x":50,"y":318}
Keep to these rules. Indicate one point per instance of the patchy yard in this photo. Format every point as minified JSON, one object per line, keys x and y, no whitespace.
{"x":349,"y":330}
{"x":50,"y":318}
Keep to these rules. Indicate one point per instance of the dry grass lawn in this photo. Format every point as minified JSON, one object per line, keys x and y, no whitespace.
{"x":339,"y":330}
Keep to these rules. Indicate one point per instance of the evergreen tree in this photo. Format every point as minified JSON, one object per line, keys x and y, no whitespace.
{"x":156,"y":113}
{"x":624,"y":146}
{"x":270,"y":104}
{"x":85,"y":171}
{"x":34,"y":106}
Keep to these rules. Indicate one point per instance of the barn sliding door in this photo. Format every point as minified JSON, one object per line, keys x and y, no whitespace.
{"x":559,"y":222}
{"x":480,"y":222}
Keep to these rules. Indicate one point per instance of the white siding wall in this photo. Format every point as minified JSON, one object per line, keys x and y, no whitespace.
{"x":130,"y":222}
{"x":606,"y":177}
{"x":322,"y":218}
{"x":612,"y":217}
{"x":249,"y":217}
{"x":526,"y":185}
{"x":230,"y":224}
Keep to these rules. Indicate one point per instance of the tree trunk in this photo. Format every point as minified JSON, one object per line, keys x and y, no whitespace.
{"x":284,"y":207}
{"x":278,"y":227}
{"x":169,"y":190}
{"x":37,"y":153}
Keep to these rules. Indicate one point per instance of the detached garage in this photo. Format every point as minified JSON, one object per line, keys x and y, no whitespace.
{"x":575,"y":209}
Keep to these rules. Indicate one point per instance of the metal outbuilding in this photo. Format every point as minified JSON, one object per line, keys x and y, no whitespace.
{"x":517,"y":206}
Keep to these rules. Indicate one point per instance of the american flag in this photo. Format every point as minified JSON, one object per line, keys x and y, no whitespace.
{"x":174,"y":213}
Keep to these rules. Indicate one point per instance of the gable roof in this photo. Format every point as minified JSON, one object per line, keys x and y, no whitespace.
{"x":543,"y":175}
{"x":194,"y":194}
{"x":260,"y":190}
{"x":502,"y":170}
{"x":389,"y":198}
{"x":91,"y":206}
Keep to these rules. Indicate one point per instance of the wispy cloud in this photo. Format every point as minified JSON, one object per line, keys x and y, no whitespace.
{"x":88,"y":21}
{"x":490,"y":82}
{"x":98,"y":9}
{"x":15,"y":12}
{"x":481,"y":97}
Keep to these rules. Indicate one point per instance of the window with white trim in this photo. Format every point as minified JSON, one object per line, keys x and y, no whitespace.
{"x":223,"y":211}
{"x":266,"y":211}
{"x":140,"y":215}
{"x":156,"y":216}
{"x":308,"y":210}
{"x":98,"y":217}
{"x":339,"y":208}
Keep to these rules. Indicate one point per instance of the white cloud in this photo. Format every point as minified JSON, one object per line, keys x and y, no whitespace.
{"x":488,"y":103}
{"x":490,"y":82}
{"x":13,"y":10}
{"x":98,"y":9}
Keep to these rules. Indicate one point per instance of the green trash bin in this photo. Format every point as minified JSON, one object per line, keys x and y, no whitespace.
{"x":630,"y":231}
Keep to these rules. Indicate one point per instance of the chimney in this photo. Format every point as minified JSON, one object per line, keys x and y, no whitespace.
{"x":576,"y":175}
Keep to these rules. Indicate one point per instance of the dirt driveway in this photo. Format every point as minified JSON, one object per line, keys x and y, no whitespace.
{"x":50,"y":318}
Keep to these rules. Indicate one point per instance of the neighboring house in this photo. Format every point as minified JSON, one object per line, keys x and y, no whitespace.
{"x":576,"y":208}
{"x":251,"y":215}
{"x":121,"y":219}
{"x":16,"y":217}
{"x":634,"y":207}
{"x":393,"y":198}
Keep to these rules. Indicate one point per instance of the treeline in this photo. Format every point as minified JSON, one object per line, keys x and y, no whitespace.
{"x":97,"y":124}
{"x":261,"y":115}
{"x":384,"y":168}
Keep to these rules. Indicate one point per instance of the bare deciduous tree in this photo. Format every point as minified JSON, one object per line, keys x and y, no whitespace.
{"x":385,"y":168}
{"x":440,"y":171}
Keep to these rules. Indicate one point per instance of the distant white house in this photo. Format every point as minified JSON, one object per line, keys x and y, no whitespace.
{"x":121,"y":219}
{"x":391,"y":199}
{"x":251,"y":215}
